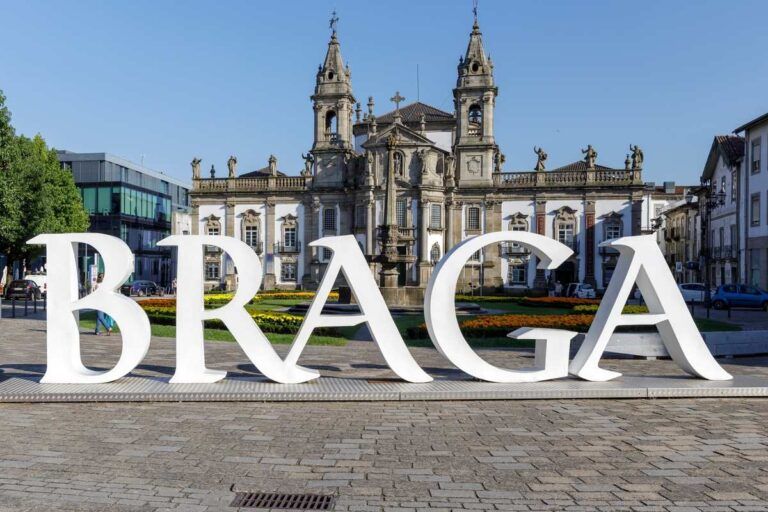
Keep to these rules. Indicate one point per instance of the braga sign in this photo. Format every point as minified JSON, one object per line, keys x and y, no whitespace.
{"x":640,"y":262}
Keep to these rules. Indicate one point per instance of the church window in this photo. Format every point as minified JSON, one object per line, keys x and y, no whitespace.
{"x":288,"y":271}
{"x":252,"y":236}
{"x":327,"y":254}
{"x":434,"y":254}
{"x":516,"y":274}
{"x":517,"y":223}
{"x":475,"y":67}
{"x":289,"y":236}
{"x":475,"y":116}
{"x":436,"y":216}
{"x":329,"y":219}
{"x":212,"y":270}
{"x":613,"y":230}
{"x":331,"y":128}
{"x":473,"y":218}
{"x":360,"y":215}
{"x":402,"y":209}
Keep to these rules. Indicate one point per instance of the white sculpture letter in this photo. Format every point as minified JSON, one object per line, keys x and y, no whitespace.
{"x":641,"y":261}
{"x":551,"y":354}
{"x":440,"y":304}
{"x":348,"y":259}
{"x":65,"y":365}
{"x":191,"y":313}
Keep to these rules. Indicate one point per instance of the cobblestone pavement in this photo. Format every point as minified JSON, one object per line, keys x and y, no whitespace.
{"x":637,"y":455}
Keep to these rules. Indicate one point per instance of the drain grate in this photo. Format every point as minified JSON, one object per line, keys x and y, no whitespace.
{"x":278,"y":501}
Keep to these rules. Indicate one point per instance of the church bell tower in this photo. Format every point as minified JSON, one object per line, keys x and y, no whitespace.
{"x":333,"y":104}
{"x":475,"y":98}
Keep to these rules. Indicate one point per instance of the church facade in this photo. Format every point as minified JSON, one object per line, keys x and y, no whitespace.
{"x":412,"y":183}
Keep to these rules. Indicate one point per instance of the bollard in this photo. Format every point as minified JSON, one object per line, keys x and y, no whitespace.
{"x":34,"y":305}
{"x":45,"y":302}
{"x":13,"y":307}
{"x":26,"y":304}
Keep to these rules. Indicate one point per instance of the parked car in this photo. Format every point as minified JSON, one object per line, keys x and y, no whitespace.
{"x":23,"y":289}
{"x":41,"y":280}
{"x":580,"y":290}
{"x":739,"y":295}
{"x":694,"y":292}
{"x":142,"y":289}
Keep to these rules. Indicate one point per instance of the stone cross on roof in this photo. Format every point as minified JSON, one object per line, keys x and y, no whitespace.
{"x":396,"y":99}
{"x":333,"y":21}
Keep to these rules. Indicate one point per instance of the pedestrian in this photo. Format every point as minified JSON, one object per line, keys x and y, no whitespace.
{"x":558,"y":289}
{"x":102,"y":318}
{"x":551,"y":288}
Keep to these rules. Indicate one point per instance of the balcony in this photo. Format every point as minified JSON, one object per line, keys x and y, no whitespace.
{"x":212,"y":250}
{"x":513,"y":250}
{"x":258,"y":247}
{"x":282,"y":248}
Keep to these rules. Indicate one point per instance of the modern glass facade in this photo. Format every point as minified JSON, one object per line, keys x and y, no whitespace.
{"x":130,"y":202}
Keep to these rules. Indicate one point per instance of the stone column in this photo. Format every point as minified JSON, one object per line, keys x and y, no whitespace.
{"x":425,"y":266}
{"x":269,"y":246}
{"x":370,"y":226}
{"x":229,"y":230}
{"x":195,"y":220}
{"x":492,"y":261}
{"x":448,"y":215}
{"x":589,"y":238}
{"x":540,"y":281}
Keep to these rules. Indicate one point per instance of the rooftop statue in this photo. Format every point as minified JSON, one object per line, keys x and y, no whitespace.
{"x":590,"y":155}
{"x":542,"y":157}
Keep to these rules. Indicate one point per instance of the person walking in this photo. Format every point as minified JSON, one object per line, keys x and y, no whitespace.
{"x":102,"y":318}
{"x":558,"y":289}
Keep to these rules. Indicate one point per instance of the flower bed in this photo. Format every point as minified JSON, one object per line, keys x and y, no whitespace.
{"x":495,"y":326}
{"x":163,"y":312}
{"x":557,"y":302}
{"x":631,"y":309}
{"x":223,"y":298}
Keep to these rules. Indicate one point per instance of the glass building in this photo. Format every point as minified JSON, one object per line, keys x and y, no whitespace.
{"x":132,"y":202}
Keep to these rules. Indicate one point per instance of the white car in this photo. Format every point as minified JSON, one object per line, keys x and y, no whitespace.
{"x":41,"y":280}
{"x":580,"y":290}
{"x":693,"y":292}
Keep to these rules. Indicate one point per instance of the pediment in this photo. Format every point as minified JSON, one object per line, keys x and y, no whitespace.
{"x":405,"y":136}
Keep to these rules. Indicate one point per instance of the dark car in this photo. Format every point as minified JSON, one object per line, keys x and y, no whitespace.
{"x":142,"y":289}
{"x":23,"y":289}
{"x":739,"y":295}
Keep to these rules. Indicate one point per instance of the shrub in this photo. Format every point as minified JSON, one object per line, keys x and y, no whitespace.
{"x":631,"y":309}
{"x":557,"y":302}
{"x":495,"y":326}
{"x":268,"y":321}
{"x":487,"y":298}
{"x":223,"y":298}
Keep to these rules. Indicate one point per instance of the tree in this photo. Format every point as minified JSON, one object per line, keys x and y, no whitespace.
{"x":36,"y":194}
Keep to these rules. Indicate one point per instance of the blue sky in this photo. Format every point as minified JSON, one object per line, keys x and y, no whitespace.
{"x":173,"y":80}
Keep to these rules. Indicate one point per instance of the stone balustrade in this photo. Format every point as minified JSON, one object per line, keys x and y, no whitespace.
{"x":567,"y":178}
{"x":279,"y":183}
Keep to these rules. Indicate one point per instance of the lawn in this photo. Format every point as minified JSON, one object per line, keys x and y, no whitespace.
{"x":403,"y":322}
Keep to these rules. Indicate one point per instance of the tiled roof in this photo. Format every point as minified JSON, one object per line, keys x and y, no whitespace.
{"x":752,"y":123}
{"x":732,"y":146}
{"x":260,"y":173}
{"x":411,"y":113}
{"x":581,"y":165}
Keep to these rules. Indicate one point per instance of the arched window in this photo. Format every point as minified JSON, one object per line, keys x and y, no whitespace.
{"x":212,"y":225}
{"x":434,"y":254}
{"x":475,"y":117}
{"x":331,"y":125}
{"x":565,"y":227}
{"x":250,"y":230}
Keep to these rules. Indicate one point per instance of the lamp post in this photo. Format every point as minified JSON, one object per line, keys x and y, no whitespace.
{"x":707,"y":202}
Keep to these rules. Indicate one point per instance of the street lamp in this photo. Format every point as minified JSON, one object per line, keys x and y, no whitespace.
{"x":708,"y":203}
